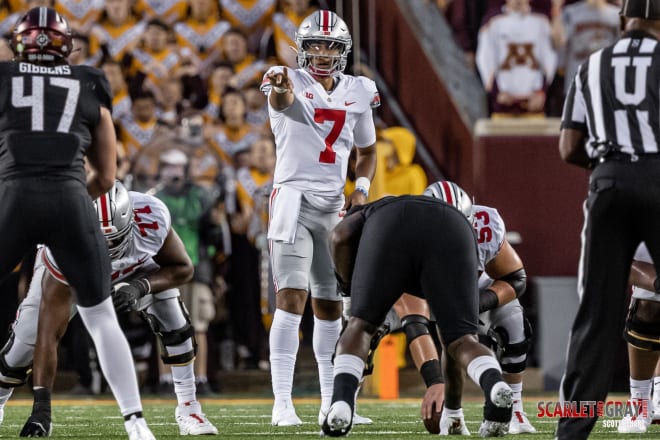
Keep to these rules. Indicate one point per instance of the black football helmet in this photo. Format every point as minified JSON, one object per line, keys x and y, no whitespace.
{"x":41,"y":35}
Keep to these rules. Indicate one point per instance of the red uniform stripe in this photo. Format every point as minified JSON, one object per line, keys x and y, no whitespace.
{"x":52,"y":269}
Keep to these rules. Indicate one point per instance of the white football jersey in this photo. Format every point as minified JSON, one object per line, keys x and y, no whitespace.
{"x":150,"y":229}
{"x":491,"y":233}
{"x":515,"y":51}
{"x":315,"y":135}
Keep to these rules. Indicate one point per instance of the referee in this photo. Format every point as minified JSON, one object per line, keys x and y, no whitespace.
{"x":611,"y":124}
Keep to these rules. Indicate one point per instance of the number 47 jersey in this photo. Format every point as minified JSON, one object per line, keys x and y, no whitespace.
{"x":315,"y":135}
{"x":47,"y":116}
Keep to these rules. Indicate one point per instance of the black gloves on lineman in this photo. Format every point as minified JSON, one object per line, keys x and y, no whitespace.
{"x":127,"y":295}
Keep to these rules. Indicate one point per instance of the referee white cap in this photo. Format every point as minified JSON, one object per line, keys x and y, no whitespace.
{"x":647,"y":9}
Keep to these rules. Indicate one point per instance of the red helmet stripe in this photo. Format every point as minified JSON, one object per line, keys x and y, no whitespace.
{"x":325,"y":21}
{"x":447,"y":189}
{"x":104,"y":210}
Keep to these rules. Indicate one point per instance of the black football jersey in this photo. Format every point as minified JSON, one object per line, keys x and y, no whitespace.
{"x":47,"y":116}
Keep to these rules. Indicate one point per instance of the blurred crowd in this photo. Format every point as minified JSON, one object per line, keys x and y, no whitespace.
{"x":528,"y":51}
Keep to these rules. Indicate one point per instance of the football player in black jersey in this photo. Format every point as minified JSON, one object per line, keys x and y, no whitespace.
{"x":53,"y":116}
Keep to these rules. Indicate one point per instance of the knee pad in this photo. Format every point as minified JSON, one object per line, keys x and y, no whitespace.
{"x":11,"y":377}
{"x":415,"y":326}
{"x":640,"y":332}
{"x":172,"y":338}
{"x":497,"y":338}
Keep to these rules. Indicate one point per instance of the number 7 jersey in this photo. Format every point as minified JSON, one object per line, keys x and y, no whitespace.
{"x":315,"y":135}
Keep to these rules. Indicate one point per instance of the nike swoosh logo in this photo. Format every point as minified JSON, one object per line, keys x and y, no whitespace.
{"x":346,"y":103}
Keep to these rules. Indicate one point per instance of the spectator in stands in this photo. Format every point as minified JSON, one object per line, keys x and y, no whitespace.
{"x":81,"y":15}
{"x":200,"y":33}
{"x":137,"y":130}
{"x":8,"y":17}
{"x":285,"y":23}
{"x":156,"y":58}
{"x":217,"y":85}
{"x":252,"y":17}
{"x":170,"y":11}
{"x":187,"y":203}
{"x":121,"y":100}
{"x":257,"y":108}
{"x":401,"y":175}
{"x":170,"y":101}
{"x":117,"y":32}
{"x":516,"y":60}
{"x":246,"y":66}
{"x":234,"y":134}
{"x":583,"y":28}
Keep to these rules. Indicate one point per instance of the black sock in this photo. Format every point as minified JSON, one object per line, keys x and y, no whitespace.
{"x":41,"y":403}
{"x":489,"y":378}
{"x":345,"y":387}
{"x":138,"y":415}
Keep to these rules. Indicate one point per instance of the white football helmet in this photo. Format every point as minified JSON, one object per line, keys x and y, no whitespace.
{"x":115,"y":214}
{"x":325,"y":26}
{"x":453,"y":195}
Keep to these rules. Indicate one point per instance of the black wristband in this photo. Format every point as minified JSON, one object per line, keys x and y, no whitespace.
{"x":656,"y":285}
{"x":487,"y":300}
{"x":432,"y":373}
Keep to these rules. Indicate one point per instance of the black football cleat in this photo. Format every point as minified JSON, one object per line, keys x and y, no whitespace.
{"x":38,"y":425}
{"x":339,"y":421}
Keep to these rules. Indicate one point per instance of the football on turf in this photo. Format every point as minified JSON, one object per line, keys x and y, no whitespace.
{"x":432,"y":425}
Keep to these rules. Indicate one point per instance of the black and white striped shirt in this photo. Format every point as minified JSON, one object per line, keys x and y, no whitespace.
{"x":615,"y":98}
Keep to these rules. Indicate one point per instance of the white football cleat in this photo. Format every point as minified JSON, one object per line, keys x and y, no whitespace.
{"x":137,"y":429}
{"x":489,"y":428}
{"x":361,"y":420}
{"x":655,"y":414}
{"x":633,"y":425}
{"x":501,"y":395}
{"x":192,"y":421}
{"x":519,"y":422}
{"x":2,"y":415}
{"x":453,"y":425}
{"x":285,"y":415}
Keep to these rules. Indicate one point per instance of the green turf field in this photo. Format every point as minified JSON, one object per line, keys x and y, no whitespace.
{"x":250,"y":420}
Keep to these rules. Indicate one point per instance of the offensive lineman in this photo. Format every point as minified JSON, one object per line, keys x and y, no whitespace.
{"x":502,"y":280}
{"x":317,"y":115}
{"x":148,"y":263}
{"x":426,"y":247}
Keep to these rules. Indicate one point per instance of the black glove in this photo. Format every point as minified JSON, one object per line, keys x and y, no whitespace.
{"x":487,"y":300}
{"x":126,"y":296}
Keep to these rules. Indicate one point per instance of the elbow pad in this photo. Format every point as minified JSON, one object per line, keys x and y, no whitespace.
{"x":517,"y":280}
